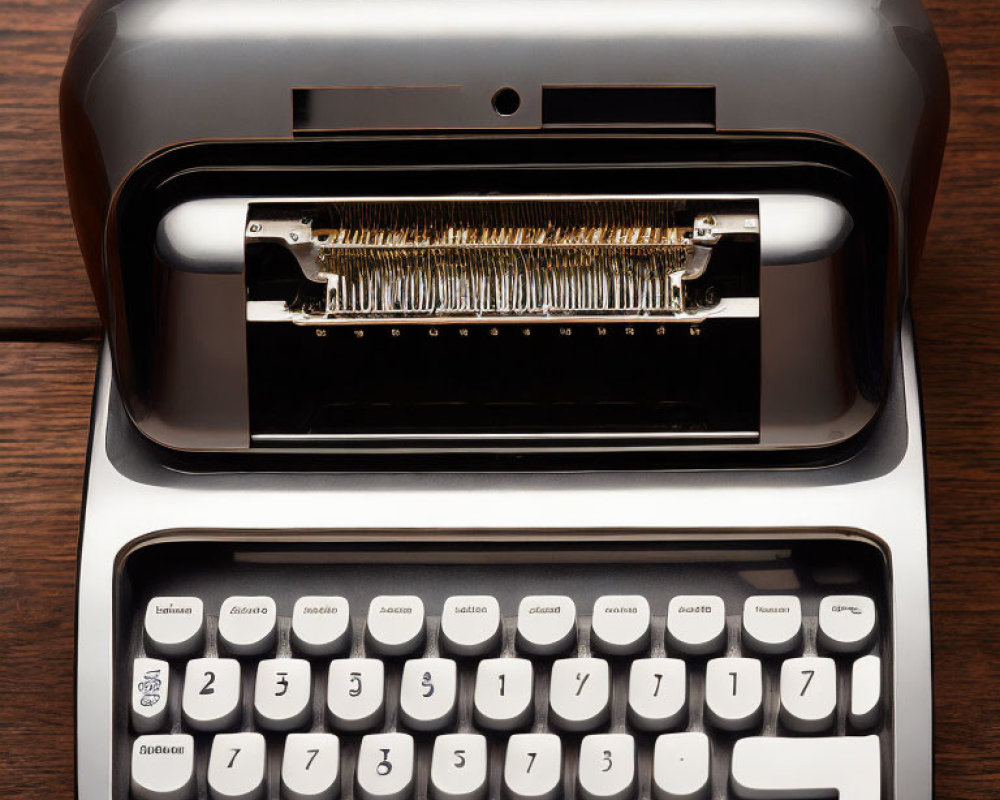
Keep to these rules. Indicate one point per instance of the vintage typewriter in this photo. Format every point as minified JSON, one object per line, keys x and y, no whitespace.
{"x":504,"y":400}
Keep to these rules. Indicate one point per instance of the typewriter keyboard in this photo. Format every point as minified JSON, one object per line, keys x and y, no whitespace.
{"x":596,"y":673}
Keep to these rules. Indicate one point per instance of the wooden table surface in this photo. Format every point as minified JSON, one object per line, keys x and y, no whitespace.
{"x":49,"y":344}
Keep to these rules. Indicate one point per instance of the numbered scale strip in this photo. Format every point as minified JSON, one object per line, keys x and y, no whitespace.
{"x":609,"y":706}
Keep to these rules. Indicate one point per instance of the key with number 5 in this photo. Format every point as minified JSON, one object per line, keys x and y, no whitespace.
{"x":459,"y":767}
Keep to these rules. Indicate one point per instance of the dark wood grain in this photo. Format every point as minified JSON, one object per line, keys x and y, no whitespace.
{"x":43,"y":286}
{"x":44,"y":414}
{"x":45,"y":399}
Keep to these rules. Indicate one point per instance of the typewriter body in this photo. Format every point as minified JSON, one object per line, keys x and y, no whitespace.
{"x":504,"y":400}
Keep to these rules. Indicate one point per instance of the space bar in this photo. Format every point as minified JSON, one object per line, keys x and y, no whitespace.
{"x":769,"y":768}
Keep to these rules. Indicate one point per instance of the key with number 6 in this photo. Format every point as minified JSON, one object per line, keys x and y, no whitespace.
{"x":385,"y":767}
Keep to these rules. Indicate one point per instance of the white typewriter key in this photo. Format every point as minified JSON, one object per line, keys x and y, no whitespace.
{"x":866,"y":692}
{"x":620,"y":624}
{"x":657,"y":693}
{"x":310,"y":767}
{"x":579,"y":693}
{"x":237,"y":766}
{"x":696,"y":624}
{"x":427,"y":693}
{"x":395,"y":624}
{"x":470,"y":625}
{"x":846,"y":623}
{"x":355,"y":694}
{"x":163,"y":767}
{"x":546,"y":624}
{"x":532,"y":767}
{"x":212,"y":692}
{"x":282,"y":694}
{"x":385,"y":767}
{"x":175,"y":626}
{"x":459,"y":767}
{"x":734,"y":693}
{"x":607,"y":767}
{"x":681,"y":766}
{"x":150,"y":685}
{"x":772,"y":624}
{"x":247,"y":625}
{"x":504,"y":695}
{"x":321,"y":626}
{"x":848,"y":767}
{"x":808,"y":694}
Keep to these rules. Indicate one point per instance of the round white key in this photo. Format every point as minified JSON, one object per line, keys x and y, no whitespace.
{"x":734,"y":693}
{"x":150,"y":688}
{"x":532,"y":767}
{"x":283,"y":693}
{"x":175,"y":626}
{"x":427,"y":693}
{"x":846,"y":623}
{"x":657,"y":693}
{"x":355,"y":694}
{"x":579,"y":693}
{"x":866,"y":692}
{"x":395,"y":624}
{"x":546,"y":624}
{"x":310,"y":767}
{"x":772,"y":624}
{"x":459,"y":767}
{"x":504,"y":695}
{"x":212,"y":692}
{"x":607,"y":767}
{"x":163,"y":767}
{"x":470,"y":625}
{"x":808,"y":694}
{"x":385,"y":767}
{"x":236,"y":766}
{"x":321,"y":626}
{"x":247,"y":625}
{"x":696,"y":624}
{"x":681,"y":766}
{"x":620,"y":624}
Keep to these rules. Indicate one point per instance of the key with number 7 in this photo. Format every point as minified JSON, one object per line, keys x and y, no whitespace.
{"x":310,"y":767}
{"x":532,"y":767}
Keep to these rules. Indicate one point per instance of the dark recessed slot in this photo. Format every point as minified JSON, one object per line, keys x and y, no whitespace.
{"x":661,"y":106}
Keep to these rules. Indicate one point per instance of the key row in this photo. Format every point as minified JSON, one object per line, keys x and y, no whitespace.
{"x":163,"y":767}
{"x":471,"y":625}
{"x":579,"y":696}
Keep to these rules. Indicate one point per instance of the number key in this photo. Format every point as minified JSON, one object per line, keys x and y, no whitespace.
{"x":427,"y":693}
{"x":355,"y":693}
{"x":310,"y":767}
{"x":504,"y":695}
{"x":385,"y":767}
{"x":532,"y":767}
{"x":607,"y":767}
{"x":282,"y":693}
{"x":657,"y":693}
{"x":579,"y":693}
{"x":733,"y":693}
{"x":211,"y":698}
{"x":459,"y":767}
{"x":236,"y":767}
{"x":808,"y":694}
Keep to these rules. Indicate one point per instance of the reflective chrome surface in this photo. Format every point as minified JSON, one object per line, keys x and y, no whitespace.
{"x":879,"y":494}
